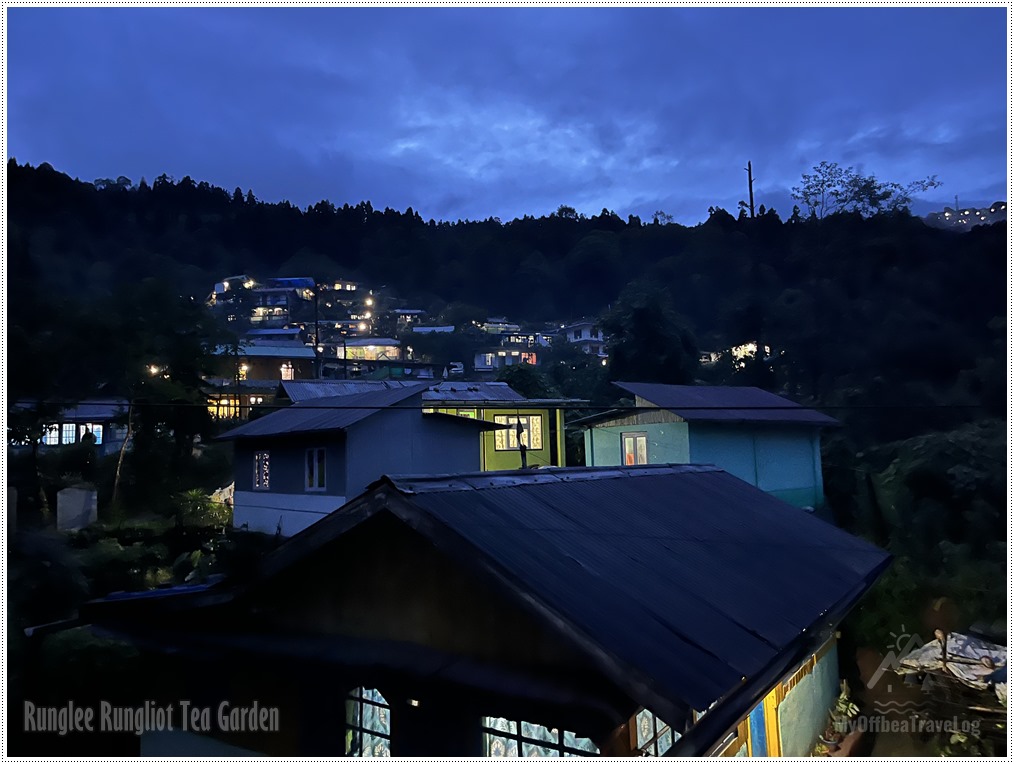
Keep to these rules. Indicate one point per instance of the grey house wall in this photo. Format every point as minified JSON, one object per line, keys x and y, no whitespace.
{"x":287,"y":505}
{"x":288,"y":463}
{"x":392,"y":441}
{"x":403,"y":441}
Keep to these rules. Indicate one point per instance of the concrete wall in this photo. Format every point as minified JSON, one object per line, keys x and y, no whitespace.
{"x":265,"y":511}
{"x":511,"y":460}
{"x":668,"y":443}
{"x":784,"y":461}
{"x":403,"y":441}
{"x":802,"y":714}
{"x":288,"y":463}
{"x":393,"y":441}
{"x":287,"y":502}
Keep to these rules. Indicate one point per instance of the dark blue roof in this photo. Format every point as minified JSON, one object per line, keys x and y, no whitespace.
{"x":324,"y":414}
{"x":715,"y":403}
{"x":688,"y":577}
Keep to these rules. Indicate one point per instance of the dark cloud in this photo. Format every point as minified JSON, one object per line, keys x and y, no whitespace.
{"x":471,"y":113}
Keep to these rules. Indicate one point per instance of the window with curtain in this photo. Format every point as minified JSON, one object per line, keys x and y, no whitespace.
{"x":507,"y":440}
{"x":316,"y":474}
{"x":262,"y":471}
{"x":367,"y":723}
{"x":508,"y":738}
{"x":635,"y":448}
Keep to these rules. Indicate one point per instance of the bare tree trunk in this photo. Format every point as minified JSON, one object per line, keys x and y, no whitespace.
{"x":123,"y":449}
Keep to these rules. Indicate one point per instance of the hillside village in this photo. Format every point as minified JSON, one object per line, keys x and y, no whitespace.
{"x":469,"y":534}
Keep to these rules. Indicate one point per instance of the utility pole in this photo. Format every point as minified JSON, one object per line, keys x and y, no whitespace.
{"x":749,"y":176}
{"x":316,"y":328}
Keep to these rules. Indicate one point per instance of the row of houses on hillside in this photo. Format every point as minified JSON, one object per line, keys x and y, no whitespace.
{"x":450,"y":587}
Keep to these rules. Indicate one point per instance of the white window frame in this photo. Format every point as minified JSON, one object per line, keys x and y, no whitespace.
{"x":51,"y":435}
{"x":315,"y":469}
{"x":510,"y":738}
{"x":262,"y":471}
{"x":68,"y":433}
{"x":635,"y":437}
{"x":361,"y":739}
{"x":95,"y":429}
{"x":507,"y":440}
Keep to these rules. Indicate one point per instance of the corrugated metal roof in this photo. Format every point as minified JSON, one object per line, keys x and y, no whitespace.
{"x":92,"y":410}
{"x":310,"y":389}
{"x":476,"y":392}
{"x":684,"y":572}
{"x":323,"y":414}
{"x":714,"y":403}
{"x":269,"y":349}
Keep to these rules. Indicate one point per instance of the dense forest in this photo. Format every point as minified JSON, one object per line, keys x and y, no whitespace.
{"x":895,"y":328}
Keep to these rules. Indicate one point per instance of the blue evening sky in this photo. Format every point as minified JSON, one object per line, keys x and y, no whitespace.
{"x":478,"y":112}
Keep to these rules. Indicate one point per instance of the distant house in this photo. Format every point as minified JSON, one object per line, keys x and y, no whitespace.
{"x":493,"y":402}
{"x":433,"y":329}
{"x":966,"y":219}
{"x":368,"y":349}
{"x":406,"y":317}
{"x":294,"y":466}
{"x":101,"y":421}
{"x":587,"y":335}
{"x":246,"y":376}
{"x":270,"y":303}
{"x":562,"y":612}
{"x":513,"y":349}
{"x":499,"y":325}
{"x":759,"y":437}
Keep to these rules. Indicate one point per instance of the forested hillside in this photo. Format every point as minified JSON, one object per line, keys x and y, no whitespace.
{"x":893,"y":327}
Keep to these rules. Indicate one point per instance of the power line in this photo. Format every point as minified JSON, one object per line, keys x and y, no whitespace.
{"x":536,"y":404}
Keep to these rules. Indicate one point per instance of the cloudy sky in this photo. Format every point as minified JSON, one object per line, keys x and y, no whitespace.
{"x":470,"y":113}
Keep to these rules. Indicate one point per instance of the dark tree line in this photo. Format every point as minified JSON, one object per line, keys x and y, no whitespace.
{"x":892,"y":326}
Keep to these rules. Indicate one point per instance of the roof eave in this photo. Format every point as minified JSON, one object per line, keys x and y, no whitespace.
{"x":707,"y":735}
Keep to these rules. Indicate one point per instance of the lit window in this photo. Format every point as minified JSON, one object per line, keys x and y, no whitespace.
{"x":68,"y":433}
{"x":226,"y":407}
{"x":654,"y":736}
{"x":529,"y":358}
{"x":94,"y":429}
{"x":507,"y":738}
{"x":367,"y":724}
{"x":635,"y":448}
{"x":287,"y":372}
{"x":316,"y":473}
{"x":262,"y":470}
{"x":531,"y":436}
{"x":51,"y":436}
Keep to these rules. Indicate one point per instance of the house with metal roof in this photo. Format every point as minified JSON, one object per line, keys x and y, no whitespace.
{"x":762,"y":438}
{"x":577,"y":611}
{"x":494,"y":402}
{"x":246,"y":375}
{"x":295,"y":465}
{"x":102,"y":422}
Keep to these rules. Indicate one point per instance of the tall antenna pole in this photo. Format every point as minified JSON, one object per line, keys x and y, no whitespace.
{"x":749,"y":176}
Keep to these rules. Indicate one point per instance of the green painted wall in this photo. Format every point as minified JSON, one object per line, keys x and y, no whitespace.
{"x":511,"y":460}
{"x":802,"y":715}
{"x":667,"y":443}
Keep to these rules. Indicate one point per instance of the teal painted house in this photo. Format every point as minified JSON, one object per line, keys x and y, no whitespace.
{"x":759,"y":437}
